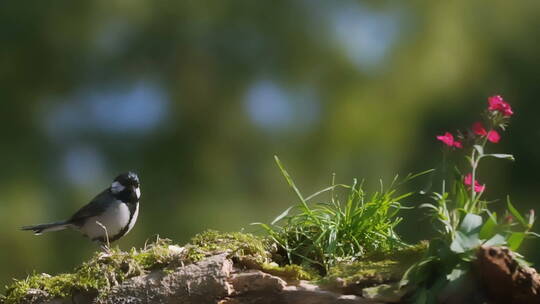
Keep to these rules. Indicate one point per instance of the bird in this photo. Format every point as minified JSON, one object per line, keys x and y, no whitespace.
{"x":107,"y":217}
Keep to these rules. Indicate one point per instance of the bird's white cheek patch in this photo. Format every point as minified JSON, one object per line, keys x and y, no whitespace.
{"x":116,"y":187}
{"x":138,"y":192}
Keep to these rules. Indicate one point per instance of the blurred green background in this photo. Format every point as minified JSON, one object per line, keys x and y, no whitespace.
{"x":197,"y":97}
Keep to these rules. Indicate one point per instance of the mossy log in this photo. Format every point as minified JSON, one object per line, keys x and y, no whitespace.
{"x":214,"y":279}
{"x":237,"y":268}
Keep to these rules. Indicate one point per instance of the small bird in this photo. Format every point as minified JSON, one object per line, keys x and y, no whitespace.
{"x":108,"y":217}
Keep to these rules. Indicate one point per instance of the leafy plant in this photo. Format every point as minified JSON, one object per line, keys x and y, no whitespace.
{"x":463,"y":218}
{"x":319,"y":235}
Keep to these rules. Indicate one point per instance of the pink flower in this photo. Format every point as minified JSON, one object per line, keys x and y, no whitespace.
{"x":478,"y":129}
{"x":467,"y":180}
{"x":497,"y":103}
{"x":493,"y":136}
{"x":448,"y":139}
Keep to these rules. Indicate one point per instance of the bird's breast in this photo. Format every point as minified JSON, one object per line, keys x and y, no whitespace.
{"x":116,"y":218}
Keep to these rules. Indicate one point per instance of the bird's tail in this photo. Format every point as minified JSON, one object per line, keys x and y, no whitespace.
{"x":39,"y":229}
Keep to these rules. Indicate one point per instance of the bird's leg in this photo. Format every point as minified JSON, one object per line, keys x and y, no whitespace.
{"x":106,"y":247}
{"x":106,"y":250}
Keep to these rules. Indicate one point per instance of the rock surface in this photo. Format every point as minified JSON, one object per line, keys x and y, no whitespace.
{"x":212,"y":280}
{"x":225,"y":278}
{"x":503,"y":279}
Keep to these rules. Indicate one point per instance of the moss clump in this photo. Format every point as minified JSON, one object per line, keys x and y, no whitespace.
{"x":105,"y":270}
{"x":248,"y":250}
{"x":159,"y":254}
{"x":100,"y":273}
{"x":409,"y":254}
{"x":374,"y":269}
{"x":59,"y":286}
{"x":363,"y":273}
{"x":289,"y":272}
{"x":238,"y":244}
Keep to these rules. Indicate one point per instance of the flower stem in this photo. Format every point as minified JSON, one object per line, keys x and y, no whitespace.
{"x":474,"y":164}
{"x":475,"y":160}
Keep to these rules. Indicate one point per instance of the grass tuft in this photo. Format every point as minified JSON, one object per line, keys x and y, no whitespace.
{"x":344,"y":227}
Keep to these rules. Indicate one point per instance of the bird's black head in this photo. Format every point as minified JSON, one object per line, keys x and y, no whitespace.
{"x":127,"y":186}
{"x":128,"y":179}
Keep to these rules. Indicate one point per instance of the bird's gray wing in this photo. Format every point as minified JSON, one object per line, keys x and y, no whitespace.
{"x":96,"y":207}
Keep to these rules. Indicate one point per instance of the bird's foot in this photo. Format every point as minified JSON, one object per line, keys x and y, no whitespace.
{"x":105,"y":248}
{"x":106,"y":251}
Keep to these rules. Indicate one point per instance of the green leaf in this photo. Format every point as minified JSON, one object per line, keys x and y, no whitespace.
{"x":281,"y":216}
{"x":470,"y":223}
{"x":522,"y":262}
{"x":289,"y":179}
{"x":324,"y":190}
{"x":488,"y":229}
{"x":421,"y":297}
{"x":413,"y":176}
{"x":516,"y":213}
{"x":533,"y":234}
{"x":428,"y":205}
{"x":502,"y":156}
{"x":263,"y":225}
{"x":496,"y":240}
{"x":456,"y":274}
{"x":416,"y":271}
{"x":531,"y":218}
{"x":515,"y":240}
{"x":435,"y":290}
{"x":479,"y":149}
{"x":463,"y":242}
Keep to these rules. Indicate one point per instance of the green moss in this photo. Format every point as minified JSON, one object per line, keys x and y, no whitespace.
{"x":364,"y":272}
{"x":237,"y":243}
{"x":156,"y":255}
{"x":374,"y":269}
{"x":248,"y":250}
{"x":59,"y":285}
{"x":101,"y":272}
{"x":105,"y":270}
{"x":407,"y":254}
{"x":289,"y":272}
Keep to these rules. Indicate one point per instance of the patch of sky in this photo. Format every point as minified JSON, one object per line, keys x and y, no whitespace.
{"x":276,"y":108}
